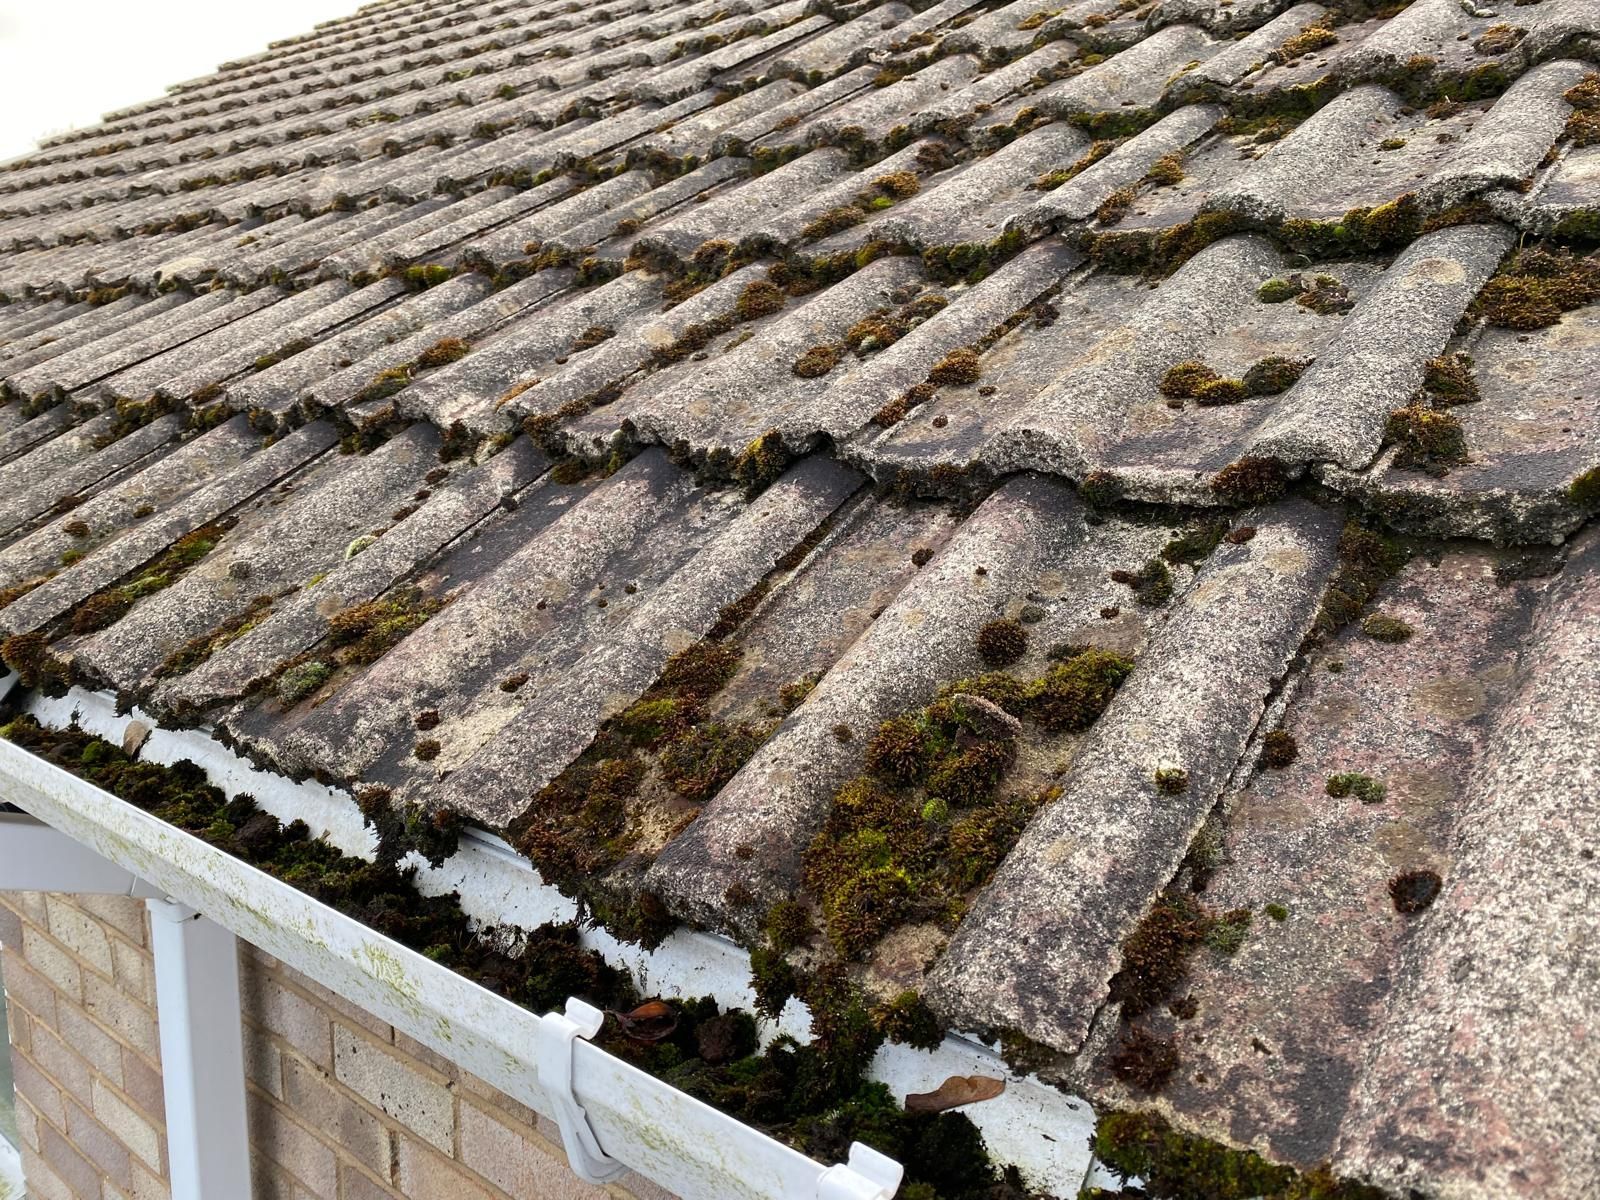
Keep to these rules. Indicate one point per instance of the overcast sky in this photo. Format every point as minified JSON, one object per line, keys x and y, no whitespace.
{"x":65,"y":62}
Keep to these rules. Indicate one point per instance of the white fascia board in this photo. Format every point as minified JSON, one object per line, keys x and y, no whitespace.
{"x":1033,"y":1125}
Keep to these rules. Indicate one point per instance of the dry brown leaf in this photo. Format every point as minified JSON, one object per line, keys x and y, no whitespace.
{"x":954,"y":1092}
{"x":652,"y":1021}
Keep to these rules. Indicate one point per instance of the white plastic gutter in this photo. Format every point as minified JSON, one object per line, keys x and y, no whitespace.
{"x":663,"y":1134}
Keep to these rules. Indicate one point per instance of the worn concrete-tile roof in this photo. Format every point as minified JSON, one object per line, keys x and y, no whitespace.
{"x":405,"y":401}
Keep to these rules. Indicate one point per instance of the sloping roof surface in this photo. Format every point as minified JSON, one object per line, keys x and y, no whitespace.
{"x":569,"y":338}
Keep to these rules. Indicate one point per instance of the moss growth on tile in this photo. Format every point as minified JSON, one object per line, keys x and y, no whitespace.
{"x":198,"y":650}
{"x":1194,"y":545}
{"x":817,"y":361}
{"x":1312,"y":37}
{"x":957,"y":367}
{"x":1151,"y":583}
{"x":1279,"y":749}
{"x":1353,"y":783}
{"x":107,"y":607}
{"x":1366,"y":560}
{"x":1180,"y":1166}
{"x":1384,"y":628}
{"x":444,"y":351}
{"x":1001,"y":643}
{"x":1425,"y":438}
{"x":1536,"y":286}
{"x":1251,"y":480}
{"x":1413,"y":891}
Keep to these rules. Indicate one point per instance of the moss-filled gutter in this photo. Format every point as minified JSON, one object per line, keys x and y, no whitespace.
{"x":665,"y":1134}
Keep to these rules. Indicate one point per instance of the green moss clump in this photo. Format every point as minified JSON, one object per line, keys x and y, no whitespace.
{"x":1277,"y":912}
{"x":1003,"y":642}
{"x":1584,"y":491}
{"x":788,"y":925}
{"x":761,"y":463}
{"x":1221,"y":391}
{"x":1279,"y":289}
{"x":1227,"y":932}
{"x":1195,"y":545}
{"x":364,"y":633}
{"x":1151,"y":583}
{"x":1536,"y":287}
{"x":907,"y":1021}
{"x":1179,"y":1166}
{"x":817,"y":361}
{"x":1352,"y":783}
{"x":1426,"y":439}
{"x":1071,"y":696}
{"x":1448,"y":380}
{"x":426,"y":275}
{"x":698,"y":764}
{"x":1279,"y":749}
{"x":1383,"y":628}
{"x":299,"y":681}
{"x":1366,"y":559}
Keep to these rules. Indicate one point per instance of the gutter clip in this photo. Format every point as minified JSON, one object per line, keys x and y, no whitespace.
{"x":553,"y":1043}
{"x":867,"y":1175}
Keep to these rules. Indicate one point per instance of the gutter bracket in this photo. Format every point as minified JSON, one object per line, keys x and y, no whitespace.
{"x":553,"y":1042}
{"x":868,"y":1175}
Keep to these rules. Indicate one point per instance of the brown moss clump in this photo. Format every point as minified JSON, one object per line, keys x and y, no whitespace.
{"x":1279,"y":749}
{"x":1183,"y":380}
{"x":1054,"y":179}
{"x":1313,"y":37}
{"x":835,"y":220}
{"x":1583,"y":126}
{"x":1155,"y":956}
{"x":759,"y":298}
{"x":958,"y":367}
{"x":1251,"y":480}
{"x":1221,"y":391}
{"x":1274,"y":374}
{"x":901,"y":185}
{"x":1325,"y":295}
{"x":443,"y":352}
{"x":1536,"y":287}
{"x":100,"y":611}
{"x":1003,"y":642}
{"x":426,"y":750}
{"x":1143,"y":1059}
{"x":1117,"y":205}
{"x":76,"y":529}
{"x":817,"y":361}
{"x":1413,"y":891}
{"x":592,"y":337}
{"x":1498,"y":39}
{"x":1448,"y":380}
{"x":1426,"y":439}
{"x":1166,"y":171}
{"x":28,"y":654}
{"x":198,"y":650}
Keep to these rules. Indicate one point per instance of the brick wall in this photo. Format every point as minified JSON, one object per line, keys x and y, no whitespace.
{"x":342,"y":1107}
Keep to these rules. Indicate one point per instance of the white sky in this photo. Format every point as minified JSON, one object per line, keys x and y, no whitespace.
{"x":65,"y":62}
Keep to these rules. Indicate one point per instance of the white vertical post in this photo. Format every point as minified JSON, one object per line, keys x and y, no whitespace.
{"x":202,"y":1054}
